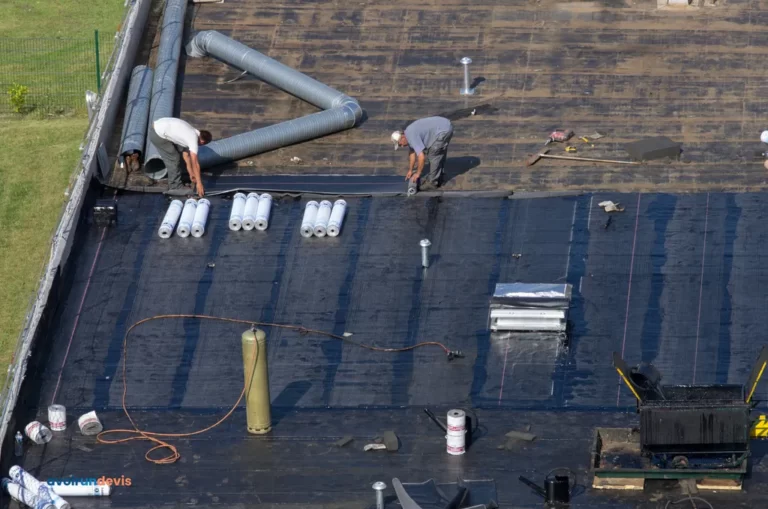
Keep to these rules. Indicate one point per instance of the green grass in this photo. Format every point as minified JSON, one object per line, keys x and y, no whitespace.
{"x":37,"y":157}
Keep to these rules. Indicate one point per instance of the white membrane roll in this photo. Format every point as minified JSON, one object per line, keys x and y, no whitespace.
{"x":187,"y":216}
{"x":337,"y":218}
{"x":236,"y":216}
{"x":251,"y":207}
{"x":41,"y":490}
{"x":38,"y":433}
{"x":456,"y":429}
{"x":24,"y":496}
{"x":81,"y":490}
{"x":308,"y":222}
{"x":57,"y":417}
{"x":323,"y":216}
{"x":170,"y":219}
{"x":89,"y":424}
{"x":201,"y":217}
{"x":262,"y":213}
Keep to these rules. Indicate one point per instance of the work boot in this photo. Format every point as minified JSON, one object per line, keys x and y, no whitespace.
{"x":182,"y":190}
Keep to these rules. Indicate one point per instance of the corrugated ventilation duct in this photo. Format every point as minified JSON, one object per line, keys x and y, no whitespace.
{"x":136,"y":111}
{"x":341,"y":111}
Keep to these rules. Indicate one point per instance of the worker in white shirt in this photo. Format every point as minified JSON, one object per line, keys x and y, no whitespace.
{"x":173,"y":136}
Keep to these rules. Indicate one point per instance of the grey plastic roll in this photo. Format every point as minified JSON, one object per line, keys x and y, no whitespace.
{"x":164,"y":80}
{"x":136,"y":111}
{"x":342,"y":112}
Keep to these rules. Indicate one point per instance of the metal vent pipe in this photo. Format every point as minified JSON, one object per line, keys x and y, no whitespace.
{"x":136,"y":111}
{"x":342,"y":112}
{"x":164,"y":82}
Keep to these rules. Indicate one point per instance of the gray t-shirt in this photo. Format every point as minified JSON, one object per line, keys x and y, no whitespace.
{"x":422,"y":133}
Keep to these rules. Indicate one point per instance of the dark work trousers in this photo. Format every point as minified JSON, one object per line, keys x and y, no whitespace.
{"x":437,"y":154}
{"x":171,"y":157}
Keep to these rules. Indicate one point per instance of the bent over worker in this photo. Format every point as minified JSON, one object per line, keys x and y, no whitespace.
{"x":173,"y":136}
{"x":428,"y":138}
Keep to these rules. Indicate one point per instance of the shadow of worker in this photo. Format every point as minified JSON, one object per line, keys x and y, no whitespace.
{"x":456,"y":166}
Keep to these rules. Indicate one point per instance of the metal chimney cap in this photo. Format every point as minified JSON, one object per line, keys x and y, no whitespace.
{"x":379,"y":486}
{"x":425,"y":243}
{"x":466,"y":60}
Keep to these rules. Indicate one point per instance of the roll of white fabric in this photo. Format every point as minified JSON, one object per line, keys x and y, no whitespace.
{"x":170,"y":219}
{"x":201,"y":217}
{"x":25,"y":496}
{"x":337,"y":218}
{"x":323,"y":216}
{"x":308,"y":222}
{"x":89,"y":423}
{"x":41,"y":490}
{"x":82,"y":490}
{"x":236,"y":216}
{"x":262,"y":213}
{"x":187,"y":216}
{"x":251,"y":208}
{"x":57,"y":417}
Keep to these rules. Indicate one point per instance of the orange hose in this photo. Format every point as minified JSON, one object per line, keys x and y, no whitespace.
{"x":152,"y":436}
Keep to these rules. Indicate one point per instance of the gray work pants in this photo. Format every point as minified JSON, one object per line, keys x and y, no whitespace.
{"x":437,"y":154}
{"x":171,"y":157}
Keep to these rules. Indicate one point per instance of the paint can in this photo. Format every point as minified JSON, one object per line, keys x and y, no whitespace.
{"x":89,"y":424}
{"x":456,"y":429}
{"x":38,"y":433}
{"x":57,"y":417}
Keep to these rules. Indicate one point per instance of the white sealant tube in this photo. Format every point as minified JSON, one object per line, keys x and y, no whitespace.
{"x":26,"y":480}
{"x":251,"y":208}
{"x":262,"y":213}
{"x":236,"y":216}
{"x":337,"y":218}
{"x":308,"y":222}
{"x":323,"y":216}
{"x":201,"y":217}
{"x":170,"y":219}
{"x":81,"y":490}
{"x":187,"y":216}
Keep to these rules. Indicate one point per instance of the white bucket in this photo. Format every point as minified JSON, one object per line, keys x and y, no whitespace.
{"x":38,"y":433}
{"x":89,"y":424}
{"x":57,"y":417}
{"x":456,"y":427}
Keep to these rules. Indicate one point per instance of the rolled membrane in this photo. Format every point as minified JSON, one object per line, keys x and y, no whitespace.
{"x":262,"y":213}
{"x":337,"y":217}
{"x":81,"y":490}
{"x":187,"y":217}
{"x":308,"y":222}
{"x":170,"y":219}
{"x":201,"y":217}
{"x":251,"y":206}
{"x":25,"y":496}
{"x":29,"y":482}
{"x":236,"y":216}
{"x":323,"y":216}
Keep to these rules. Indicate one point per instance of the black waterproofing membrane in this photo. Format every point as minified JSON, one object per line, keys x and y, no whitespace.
{"x":677,"y":280}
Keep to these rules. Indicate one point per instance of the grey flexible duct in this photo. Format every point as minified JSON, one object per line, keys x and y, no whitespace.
{"x":342,"y":112}
{"x":136,"y":111}
{"x":164,"y":83}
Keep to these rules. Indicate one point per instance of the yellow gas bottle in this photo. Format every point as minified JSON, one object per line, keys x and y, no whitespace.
{"x":257,"y":403}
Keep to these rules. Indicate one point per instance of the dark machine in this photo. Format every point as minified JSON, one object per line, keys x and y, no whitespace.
{"x":692,"y":426}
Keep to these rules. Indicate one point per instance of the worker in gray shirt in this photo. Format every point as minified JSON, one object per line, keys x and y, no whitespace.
{"x":428,"y":138}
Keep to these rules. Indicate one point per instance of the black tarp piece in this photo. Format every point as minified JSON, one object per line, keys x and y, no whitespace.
{"x":677,"y":280}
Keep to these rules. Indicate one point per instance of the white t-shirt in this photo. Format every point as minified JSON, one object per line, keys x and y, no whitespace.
{"x":177,"y":131}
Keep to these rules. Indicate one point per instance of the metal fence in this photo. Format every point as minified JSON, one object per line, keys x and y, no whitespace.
{"x":49,"y":77}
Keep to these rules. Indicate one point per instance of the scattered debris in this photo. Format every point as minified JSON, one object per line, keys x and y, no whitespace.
{"x":211,"y":265}
{"x":375,"y":447}
{"x":559,"y":135}
{"x":517,"y":255}
{"x":609,"y":206}
{"x":295,"y":159}
{"x":608,"y":223}
{"x":391,"y":441}
{"x":570,"y":149}
{"x":521,"y":435}
{"x":596,"y":135}
{"x":343,"y":441}
{"x":242,"y":74}
{"x":347,"y":334}
{"x":84,"y":448}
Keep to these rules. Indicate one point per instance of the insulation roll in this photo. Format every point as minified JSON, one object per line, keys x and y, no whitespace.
{"x":337,"y":218}
{"x":38,"y":433}
{"x":57,"y":417}
{"x":262,"y":213}
{"x":236,"y":216}
{"x":82,"y":490}
{"x":251,"y":208}
{"x":201,"y":217}
{"x":89,"y":424}
{"x":25,"y":496}
{"x":187,"y":217}
{"x":308,"y":222}
{"x":323,"y":216}
{"x":170,"y":219}
{"x":30,"y":483}
{"x":456,"y":429}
